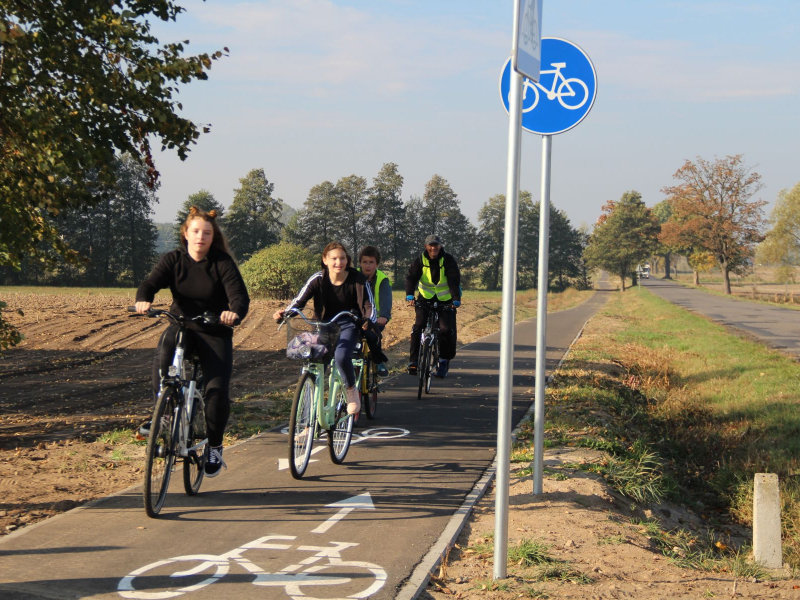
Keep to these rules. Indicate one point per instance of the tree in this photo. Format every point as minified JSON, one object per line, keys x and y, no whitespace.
{"x":202,"y":199}
{"x":663,"y":212}
{"x":491,"y":221}
{"x":437,"y":202}
{"x":278,"y":271}
{"x":387,"y":214}
{"x":626,"y":234}
{"x":781,"y":245}
{"x":352,"y":199}
{"x":316,"y":224}
{"x":712,"y":211}
{"x":80,"y":83}
{"x":252,"y":220}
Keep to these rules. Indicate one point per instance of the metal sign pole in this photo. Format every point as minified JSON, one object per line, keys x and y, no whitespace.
{"x":503,"y":459}
{"x":541,"y":318}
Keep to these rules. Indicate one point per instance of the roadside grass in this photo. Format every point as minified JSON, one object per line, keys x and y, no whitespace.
{"x":258,"y":411}
{"x":686,"y":412}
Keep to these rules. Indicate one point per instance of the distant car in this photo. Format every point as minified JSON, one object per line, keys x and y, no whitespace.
{"x":645,"y":273}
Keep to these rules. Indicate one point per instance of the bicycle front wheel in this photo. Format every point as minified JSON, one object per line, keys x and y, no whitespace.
{"x":160,"y":455}
{"x":340,"y":434}
{"x":424,"y":366}
{"x":433,"y":362}
{"x":302,"y":425}
{"x":370,"y":397}
{"x":194,"y":464}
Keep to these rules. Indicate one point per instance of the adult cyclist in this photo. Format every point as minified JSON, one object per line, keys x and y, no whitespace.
{"x":437,"y":278}
{"x":203,"y":277}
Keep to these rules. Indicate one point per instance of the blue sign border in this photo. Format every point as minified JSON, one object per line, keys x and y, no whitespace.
{"x":507,"y":66}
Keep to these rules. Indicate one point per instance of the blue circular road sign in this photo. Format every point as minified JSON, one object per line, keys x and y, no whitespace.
{"x":564,"y":94}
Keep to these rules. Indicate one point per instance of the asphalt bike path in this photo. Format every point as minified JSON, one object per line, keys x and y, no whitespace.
{"x":356,"y":530}
{"x":772,"y":325}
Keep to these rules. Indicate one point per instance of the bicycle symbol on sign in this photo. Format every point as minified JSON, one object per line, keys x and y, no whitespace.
{"x":308,"y":572}
{"x":558,"y":91}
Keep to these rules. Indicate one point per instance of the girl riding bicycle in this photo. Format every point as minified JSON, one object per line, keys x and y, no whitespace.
{"x":339,"y":287}
{"x":203,"y":277}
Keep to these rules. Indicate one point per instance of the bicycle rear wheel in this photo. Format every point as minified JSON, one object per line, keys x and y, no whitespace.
{"x":302,"y":425}
{"x":341,"y":433}
{"x":160,"y":456}
{"x":424,"y":366}
{"x":370,"y":398}
{"x":194,"y":464}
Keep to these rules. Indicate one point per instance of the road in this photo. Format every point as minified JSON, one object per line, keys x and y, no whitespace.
{"x":772,"y":325}
{"x":357,"y":530}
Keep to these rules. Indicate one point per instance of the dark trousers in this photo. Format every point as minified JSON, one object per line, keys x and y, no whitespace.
{"x":348,"y":338}
{"x":447,"y":331}
{"x":374,"y":336}
{"x":216,"y":360}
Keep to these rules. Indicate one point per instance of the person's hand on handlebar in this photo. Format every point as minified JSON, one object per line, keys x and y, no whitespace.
{"x":278,"y":315}
{"x":228,"y":318}
{"x":409,"y":300}
{"x":142,"y":307}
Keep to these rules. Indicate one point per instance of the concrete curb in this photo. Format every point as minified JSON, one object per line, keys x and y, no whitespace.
{"x":418,"y":581}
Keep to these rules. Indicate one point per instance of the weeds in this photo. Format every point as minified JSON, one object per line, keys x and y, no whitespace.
{"x":529,"y":552}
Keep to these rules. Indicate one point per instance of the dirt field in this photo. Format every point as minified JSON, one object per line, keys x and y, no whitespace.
{"x":78,"y":386}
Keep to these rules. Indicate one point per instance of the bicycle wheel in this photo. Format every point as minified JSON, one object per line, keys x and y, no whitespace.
{"x":580,"y":95}
{"x":341,"y":433}
{"x":370,"y":398}
{"x":432,"y":363}
{"x":160,"y":455}
{"x":302,"y":425}
{"x":194,"y":464}
{"x":424,"y":366}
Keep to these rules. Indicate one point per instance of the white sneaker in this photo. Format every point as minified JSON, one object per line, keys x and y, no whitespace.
{"x":353,"y":400}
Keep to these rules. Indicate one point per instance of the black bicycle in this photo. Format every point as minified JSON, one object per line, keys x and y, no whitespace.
{"x":178,"y":427}
{"x":429,"y":345}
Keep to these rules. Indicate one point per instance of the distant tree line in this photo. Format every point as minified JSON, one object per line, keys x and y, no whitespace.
{"x":118,"y":242}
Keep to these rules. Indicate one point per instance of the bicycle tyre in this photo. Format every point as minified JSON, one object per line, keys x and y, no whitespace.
{"x":566,"y":83}
{"x":370,"y":399}
{"x":433,"y":362}
{"x":194,"y":464}
{"x":160,"y":455}
{"x":424,"y":352}
{"x":341,"y":433}
{"x":302,"y":425}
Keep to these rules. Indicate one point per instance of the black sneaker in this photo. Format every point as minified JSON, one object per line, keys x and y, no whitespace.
{"x":214,"y":462}
{"x":444,"y":365}
{"x":412,"y":368}
{"x":144,"y":429}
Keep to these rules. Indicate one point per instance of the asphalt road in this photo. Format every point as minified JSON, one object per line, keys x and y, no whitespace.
{"x":774,"y":326}
{"x":351,"y":531}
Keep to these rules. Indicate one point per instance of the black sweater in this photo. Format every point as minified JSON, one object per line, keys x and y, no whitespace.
{"x":353,"y":295}
{"x":213,"y":284}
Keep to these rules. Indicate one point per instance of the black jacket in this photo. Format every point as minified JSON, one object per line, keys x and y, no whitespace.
{"x":213,"y":284}
{"x":357,"y":290}
{"x":451,"y":270}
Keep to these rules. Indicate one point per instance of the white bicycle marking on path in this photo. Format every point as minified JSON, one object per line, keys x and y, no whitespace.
{"x":292,"y":578}
{"x":376,"y":433}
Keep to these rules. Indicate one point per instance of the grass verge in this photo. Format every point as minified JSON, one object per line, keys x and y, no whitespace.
{"x":686,"y":412}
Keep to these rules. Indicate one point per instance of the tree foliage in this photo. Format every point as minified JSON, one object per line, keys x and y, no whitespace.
{"x":279,"y":271}
{"x":781,"y":245}
{"x":202,"y":199}
{"x":316,"y":224}
{"x":712,"y":211}
{"x":626,"y":234}
{"x":387,"y":214}
{"x":252,"y":220}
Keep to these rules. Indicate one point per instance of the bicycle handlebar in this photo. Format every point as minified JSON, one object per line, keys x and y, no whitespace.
{"x":434,"y":305}
{"x":207,"y":318}
{"x":296,"y":311}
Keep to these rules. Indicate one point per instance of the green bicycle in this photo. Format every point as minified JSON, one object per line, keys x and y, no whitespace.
{"x":314,"y":408}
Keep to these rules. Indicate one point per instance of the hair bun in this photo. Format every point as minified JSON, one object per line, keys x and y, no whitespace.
{"x":193,"y":210}
{"x":212,"y":213}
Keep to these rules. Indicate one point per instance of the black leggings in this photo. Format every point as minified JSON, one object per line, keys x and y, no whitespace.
{"x":216,"y":360}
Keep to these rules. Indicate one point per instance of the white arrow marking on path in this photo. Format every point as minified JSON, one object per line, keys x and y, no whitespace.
{"x":283,"y":463}
{"x":362,"y":501}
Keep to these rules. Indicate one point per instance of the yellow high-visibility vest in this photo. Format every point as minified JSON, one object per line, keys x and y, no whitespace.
{"x":427,"y":288}
{"x":379,"y":277}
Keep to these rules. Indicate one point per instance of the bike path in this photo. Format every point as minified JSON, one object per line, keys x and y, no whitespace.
{"x":355,"y":530}
{"x":772,"y":325}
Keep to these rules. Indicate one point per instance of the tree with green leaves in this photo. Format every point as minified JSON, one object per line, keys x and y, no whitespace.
{"x":781,"y":246}
{"x":625,"y":235}
{"x":252,"y":219}
{"x":80,"y":83}
{"x":491,"y":228}
{"x":387,"y":215}
{"x":278,"y":271}
{"x":437,"y":203}
{"x":713,"y":211}
{"x":202,"y":199}
{"x":317,"y":223}
{"x":352,"y":195}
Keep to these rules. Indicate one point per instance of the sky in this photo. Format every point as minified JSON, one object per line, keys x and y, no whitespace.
{"x":316,"y":90}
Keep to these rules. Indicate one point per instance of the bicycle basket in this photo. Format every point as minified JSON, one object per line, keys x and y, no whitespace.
{"x":310,"y":341}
